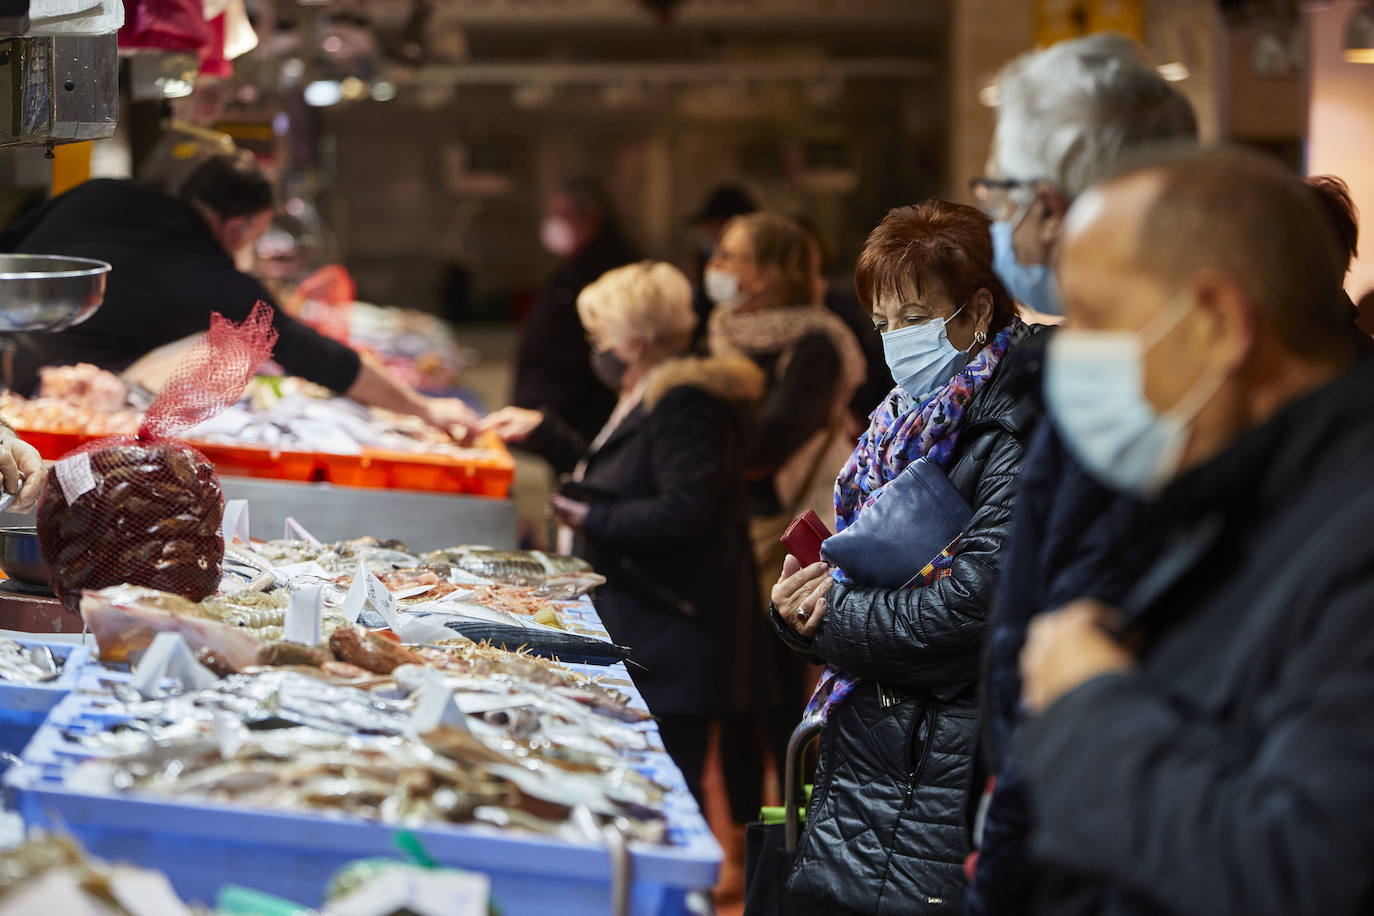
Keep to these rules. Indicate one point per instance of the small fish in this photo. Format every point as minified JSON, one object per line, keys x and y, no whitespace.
{"x":21,"y":665}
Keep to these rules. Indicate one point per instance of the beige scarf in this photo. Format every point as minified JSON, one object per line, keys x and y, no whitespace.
{"x":779,"y":330}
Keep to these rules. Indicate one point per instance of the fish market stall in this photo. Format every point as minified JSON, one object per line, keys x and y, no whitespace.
{"x":280,"y":429}
{"x":330,"y":695}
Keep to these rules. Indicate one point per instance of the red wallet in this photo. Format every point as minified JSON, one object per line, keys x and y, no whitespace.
{"x":804,"y":536}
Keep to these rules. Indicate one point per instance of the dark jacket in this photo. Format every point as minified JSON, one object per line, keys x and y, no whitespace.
{"x":797,"y":404}
{"x":1233,"y":771}
{"x":886,"y":829}
{"x":1071,"y":537}
{"x":169,"y":275}
{"x":669,"y":530}
{"x":553,"y":370}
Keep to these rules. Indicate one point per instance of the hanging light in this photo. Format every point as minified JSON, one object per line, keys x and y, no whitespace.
{"x":1359,"y":35}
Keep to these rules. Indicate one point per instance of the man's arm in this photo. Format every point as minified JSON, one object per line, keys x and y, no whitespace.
{"x":1170,"y":805}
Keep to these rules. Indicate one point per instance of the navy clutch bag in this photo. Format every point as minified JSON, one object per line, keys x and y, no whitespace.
{"x":916,"y":517}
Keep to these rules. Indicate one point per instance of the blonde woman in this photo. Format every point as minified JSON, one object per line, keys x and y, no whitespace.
{"x":660,"y":503}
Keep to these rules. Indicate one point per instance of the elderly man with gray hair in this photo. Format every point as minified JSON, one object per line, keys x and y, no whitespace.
{"x":1067,"y":117}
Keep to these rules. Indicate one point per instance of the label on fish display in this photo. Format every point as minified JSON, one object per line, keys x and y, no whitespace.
{"x":235,"y":524}
{"x":438,"y":706}
{"x":168,"y":656}
{"x":438,"y":892}
{"x":75,"y":477}
{"x":308,"y":568}
{"x":55,"y":891}
{"x":368,"y":591}
{"x":146,"y":893}
{"x":303,"y":615}
{"x":295,"y":531}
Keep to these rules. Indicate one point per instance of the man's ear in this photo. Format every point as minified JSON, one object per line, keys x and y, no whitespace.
{"x":1053,"y":206}
{"x":1227,"y":330}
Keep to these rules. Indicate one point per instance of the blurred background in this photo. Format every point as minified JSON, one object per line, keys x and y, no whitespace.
{"x":417,"y":142}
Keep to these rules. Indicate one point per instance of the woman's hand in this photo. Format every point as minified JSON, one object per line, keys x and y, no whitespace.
{"x":22,"y":469}
{"x":453,"y":416}
{"x":799,"y":596}
{"x":512,"y":424}
{"x":568,"y":512}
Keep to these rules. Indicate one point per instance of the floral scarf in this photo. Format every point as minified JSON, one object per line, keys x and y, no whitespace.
{"x":902,"y":429}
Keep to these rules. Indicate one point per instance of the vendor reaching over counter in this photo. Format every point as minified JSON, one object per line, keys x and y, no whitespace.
{"x":21,"y":470}
{"x":173,"y":260}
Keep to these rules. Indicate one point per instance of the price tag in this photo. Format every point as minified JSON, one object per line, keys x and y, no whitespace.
{"x":75,"y":477}
{"x":423,"y":892}
{"x":145,"y":893}
{"x":368,"y":591}
{"x":308,"y":568}
{"x":303,"y":615}
{"x":295,"y":531}
{"x":169,"y":657}
{"x":235,"y":524}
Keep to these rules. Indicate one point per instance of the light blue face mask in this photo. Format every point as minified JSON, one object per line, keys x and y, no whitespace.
{"x":1095,"y":393}
{"x":921,"y":357}
{"x":1032,"y":285}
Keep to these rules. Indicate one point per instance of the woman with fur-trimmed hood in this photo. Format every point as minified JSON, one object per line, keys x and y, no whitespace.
{"x":660,"y":505}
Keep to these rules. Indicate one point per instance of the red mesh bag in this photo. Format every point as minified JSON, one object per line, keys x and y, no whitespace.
{"x":146,"y":509}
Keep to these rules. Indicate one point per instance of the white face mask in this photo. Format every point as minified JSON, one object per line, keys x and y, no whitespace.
{"x":1095,"y":392}
{"x":921,"y":357}
{"x":558,"y":237}
{"x":720,"y":286}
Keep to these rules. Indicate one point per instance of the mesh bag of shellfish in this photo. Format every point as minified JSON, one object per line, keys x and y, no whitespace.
{"x":146,"y":509}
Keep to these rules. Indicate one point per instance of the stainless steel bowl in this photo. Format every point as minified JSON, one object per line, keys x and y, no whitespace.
{"x":42,"y":292}
{"x":20,"y":558}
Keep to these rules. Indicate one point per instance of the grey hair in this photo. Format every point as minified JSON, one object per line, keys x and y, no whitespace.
{"x":1067,"y":114}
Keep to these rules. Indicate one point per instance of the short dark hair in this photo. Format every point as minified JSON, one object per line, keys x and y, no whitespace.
{"x":1243,"y":213}
{"x":1334,"y":195}
{"x":229,"y":187}
{"x":934,"y":242}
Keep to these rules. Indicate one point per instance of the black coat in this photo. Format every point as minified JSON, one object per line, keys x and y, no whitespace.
{"x":1233,"y":771}
{"x":553,"y":371}
{"x":169,"y":275}
{"x":1071,"y":537}
{"x":886,"y":829}
{"x":669,"y":529}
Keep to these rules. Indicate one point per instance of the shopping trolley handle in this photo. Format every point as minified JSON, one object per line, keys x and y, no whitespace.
{"x":802,"y":736}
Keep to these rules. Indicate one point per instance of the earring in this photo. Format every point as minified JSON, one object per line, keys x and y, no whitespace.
{"x":980,"y":336}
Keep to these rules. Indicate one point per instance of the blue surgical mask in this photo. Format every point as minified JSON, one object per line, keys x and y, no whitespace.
{"x":1032,"y":285}
{"x":1095,"y":393}
{"x":921,"y":357}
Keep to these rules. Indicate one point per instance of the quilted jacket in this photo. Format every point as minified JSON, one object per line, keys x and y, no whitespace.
{"x":886,"y":832}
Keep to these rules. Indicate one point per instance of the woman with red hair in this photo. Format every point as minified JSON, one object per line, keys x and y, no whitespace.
{"x":901,"y":635}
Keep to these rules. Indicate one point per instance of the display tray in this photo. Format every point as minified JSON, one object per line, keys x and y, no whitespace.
{"x":487,"y":476}
{"x":23,"y":707}
{"x":202,"y":845}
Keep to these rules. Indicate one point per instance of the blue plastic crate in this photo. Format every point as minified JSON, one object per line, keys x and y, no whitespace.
{"x":204,"y":845}
{"x":24,"y":706}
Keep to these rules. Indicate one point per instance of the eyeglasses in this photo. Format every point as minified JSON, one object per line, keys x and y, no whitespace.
{"x":1001,"y":198}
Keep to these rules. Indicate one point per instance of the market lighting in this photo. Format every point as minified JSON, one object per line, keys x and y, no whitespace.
{"x":1359,"y":36}
{"x":383,"y":91}
{"x":323,"y":93}
{"x":1173,"y":72}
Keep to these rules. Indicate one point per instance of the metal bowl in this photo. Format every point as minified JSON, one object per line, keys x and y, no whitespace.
{"x":20,"y":558}
{"x":43,"y":292}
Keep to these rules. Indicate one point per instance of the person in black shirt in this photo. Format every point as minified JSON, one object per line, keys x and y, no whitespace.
{"x":553,"y":367}
{"x":173,"y":264}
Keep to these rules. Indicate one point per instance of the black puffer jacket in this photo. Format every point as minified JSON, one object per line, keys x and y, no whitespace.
{"x":886,"y":832}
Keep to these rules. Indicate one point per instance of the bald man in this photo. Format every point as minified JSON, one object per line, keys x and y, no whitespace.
{"x":1204,"y":747}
